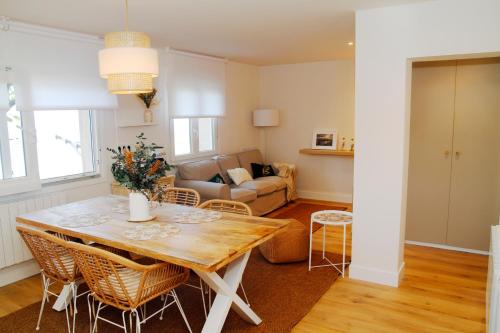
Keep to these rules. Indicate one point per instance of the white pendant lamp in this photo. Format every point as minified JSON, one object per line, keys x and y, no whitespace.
{"x":128,"y":62}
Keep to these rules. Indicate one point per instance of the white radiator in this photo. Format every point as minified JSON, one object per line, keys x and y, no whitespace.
{"x":493,"y":289}
{"x":12,"y":248}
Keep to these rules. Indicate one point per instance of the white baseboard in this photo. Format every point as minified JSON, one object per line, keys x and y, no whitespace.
{"x":378,"y":276}
{"x":18,"y":272}
{"x":448,"y":247}
{"x":327,"y":196}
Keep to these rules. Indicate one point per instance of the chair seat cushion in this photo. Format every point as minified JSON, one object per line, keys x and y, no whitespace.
{"x":262,"y":187}
{"x":277,"y":181}
{"x":242,"y":194}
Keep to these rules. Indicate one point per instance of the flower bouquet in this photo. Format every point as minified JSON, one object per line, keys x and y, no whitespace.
{"x":149,"y":100}
{"x":139,"y":171}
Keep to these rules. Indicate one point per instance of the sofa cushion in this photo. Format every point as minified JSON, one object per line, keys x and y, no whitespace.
{"x":277,"y":181}
{"x":247,"y":157}
{"x":262,"y":170}
{"x":242,"y":194}
{"x":262,"y":187}
{"x":200,"y":170}
{"x":227,"y":162}
{"x":239,"y":175}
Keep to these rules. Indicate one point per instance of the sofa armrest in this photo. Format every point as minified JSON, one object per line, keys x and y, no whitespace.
{"x":207,"y":190}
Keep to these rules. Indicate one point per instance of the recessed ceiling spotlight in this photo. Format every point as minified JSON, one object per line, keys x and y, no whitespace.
{"x":350,"y":43}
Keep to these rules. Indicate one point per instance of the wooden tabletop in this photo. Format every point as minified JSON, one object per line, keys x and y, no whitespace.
{"x":203,"y":246}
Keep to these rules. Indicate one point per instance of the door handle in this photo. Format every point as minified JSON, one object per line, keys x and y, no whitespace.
{"x":446,"y":153}
{"x":457,"y":154}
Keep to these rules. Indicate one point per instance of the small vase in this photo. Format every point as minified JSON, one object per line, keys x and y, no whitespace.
{"x":139,"y":207}
{"x":148,"y":116}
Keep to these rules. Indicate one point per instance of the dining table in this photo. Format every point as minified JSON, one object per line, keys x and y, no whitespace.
{"x":201,"y":240}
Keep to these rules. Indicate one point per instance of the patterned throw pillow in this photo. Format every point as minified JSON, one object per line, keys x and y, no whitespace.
{"x":239,"y":175}
{"x":261,"y":170}
{"x":217,"y":179}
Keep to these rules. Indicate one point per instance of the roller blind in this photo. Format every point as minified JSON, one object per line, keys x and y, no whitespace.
{"x":52,"y":73}
{"x":4,"y":98}
{"x":196,"y":86}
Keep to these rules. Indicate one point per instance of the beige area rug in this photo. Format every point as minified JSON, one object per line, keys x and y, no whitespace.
{"x":280,"y":294}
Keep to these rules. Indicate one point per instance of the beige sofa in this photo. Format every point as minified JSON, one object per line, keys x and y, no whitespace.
{"x":263,"y":194}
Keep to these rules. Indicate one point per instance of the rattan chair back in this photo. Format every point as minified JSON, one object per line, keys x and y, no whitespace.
{"x":181,"y":196}
{"x":227,"y":206}
{"x":123,"y":283}
{"x":51,"y":254}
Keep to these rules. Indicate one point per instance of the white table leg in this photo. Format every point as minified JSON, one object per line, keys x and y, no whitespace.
{"x":63,"y":299}
{"x":226,"y":296}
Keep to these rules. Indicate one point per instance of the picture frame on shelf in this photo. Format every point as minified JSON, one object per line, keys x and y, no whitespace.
{"x":325,"y":139}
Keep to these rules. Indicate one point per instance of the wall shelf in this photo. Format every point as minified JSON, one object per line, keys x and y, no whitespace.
{"x":327,"y":152}
{"x":136,"y":124}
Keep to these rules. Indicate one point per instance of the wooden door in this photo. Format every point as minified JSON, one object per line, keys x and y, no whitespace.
{"x":431,"y":135}
{"x":475,"y":179}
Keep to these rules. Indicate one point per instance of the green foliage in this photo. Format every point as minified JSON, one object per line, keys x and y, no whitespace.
{"x":139,"y":170}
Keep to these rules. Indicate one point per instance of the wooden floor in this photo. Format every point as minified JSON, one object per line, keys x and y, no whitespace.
{"x":442,"y":291}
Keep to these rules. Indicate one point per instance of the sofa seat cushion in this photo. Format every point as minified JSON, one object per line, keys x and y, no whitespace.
{"x":262,"y":187}
{"x":242,"y":194}
{"x":200,"y":170}
{"x":277,"y":181}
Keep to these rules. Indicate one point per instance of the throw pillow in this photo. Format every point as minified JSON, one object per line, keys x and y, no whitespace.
{"x":261,"y":170}
{"x":239,"y":175}
{"x":217,"y":179}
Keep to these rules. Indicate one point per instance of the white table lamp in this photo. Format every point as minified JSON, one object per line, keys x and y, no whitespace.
{"x":266,"y":118}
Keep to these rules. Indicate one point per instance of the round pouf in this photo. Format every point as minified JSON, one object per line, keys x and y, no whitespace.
{"x":289,"y":245}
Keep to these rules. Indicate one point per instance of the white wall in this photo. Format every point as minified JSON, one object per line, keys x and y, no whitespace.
{"x":235,"y":129}
{"x":386,"y":41}
{"x":311,"y":96}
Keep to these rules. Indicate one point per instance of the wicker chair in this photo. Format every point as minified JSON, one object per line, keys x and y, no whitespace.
{"x":225,"y":206}
{"x":56,"y":263}
{"x":122,"y":283}
{"x":181,"y":196}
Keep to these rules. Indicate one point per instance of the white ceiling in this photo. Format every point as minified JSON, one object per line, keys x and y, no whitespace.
{"x":252,"y":31}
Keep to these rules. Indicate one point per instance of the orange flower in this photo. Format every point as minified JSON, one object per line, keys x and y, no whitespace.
{"x":129,"y":159}
{"x":154,"y":168}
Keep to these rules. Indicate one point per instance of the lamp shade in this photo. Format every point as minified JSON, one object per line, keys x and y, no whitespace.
{"x":266,"y":118}
{"x":128,"y":62}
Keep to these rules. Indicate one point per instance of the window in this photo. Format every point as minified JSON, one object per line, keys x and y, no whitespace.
{"x":194,"y":136}
{"x":45,"y":146}
{"x":12,"y":161}
{"x":65,"y":143}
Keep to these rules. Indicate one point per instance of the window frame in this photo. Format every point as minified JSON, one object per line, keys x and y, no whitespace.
{"x":194,"y":140}
{"x":95,"y":154}
{"x":32,"y":182}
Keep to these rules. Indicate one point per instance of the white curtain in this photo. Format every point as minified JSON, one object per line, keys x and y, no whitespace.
{"x":52,"y":73}
{"x":196,"y":85}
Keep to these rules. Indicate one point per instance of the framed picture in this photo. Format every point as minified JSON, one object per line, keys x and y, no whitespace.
{"x":325,"y":139}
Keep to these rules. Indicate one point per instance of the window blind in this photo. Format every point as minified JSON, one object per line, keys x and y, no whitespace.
{"x":55,"y":73}
{"x":196,"y":86}
{"x":4,"y":98}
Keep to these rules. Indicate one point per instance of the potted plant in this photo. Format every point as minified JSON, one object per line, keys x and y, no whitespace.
{"x":149,"y":100}
{"x":139,"y":171}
